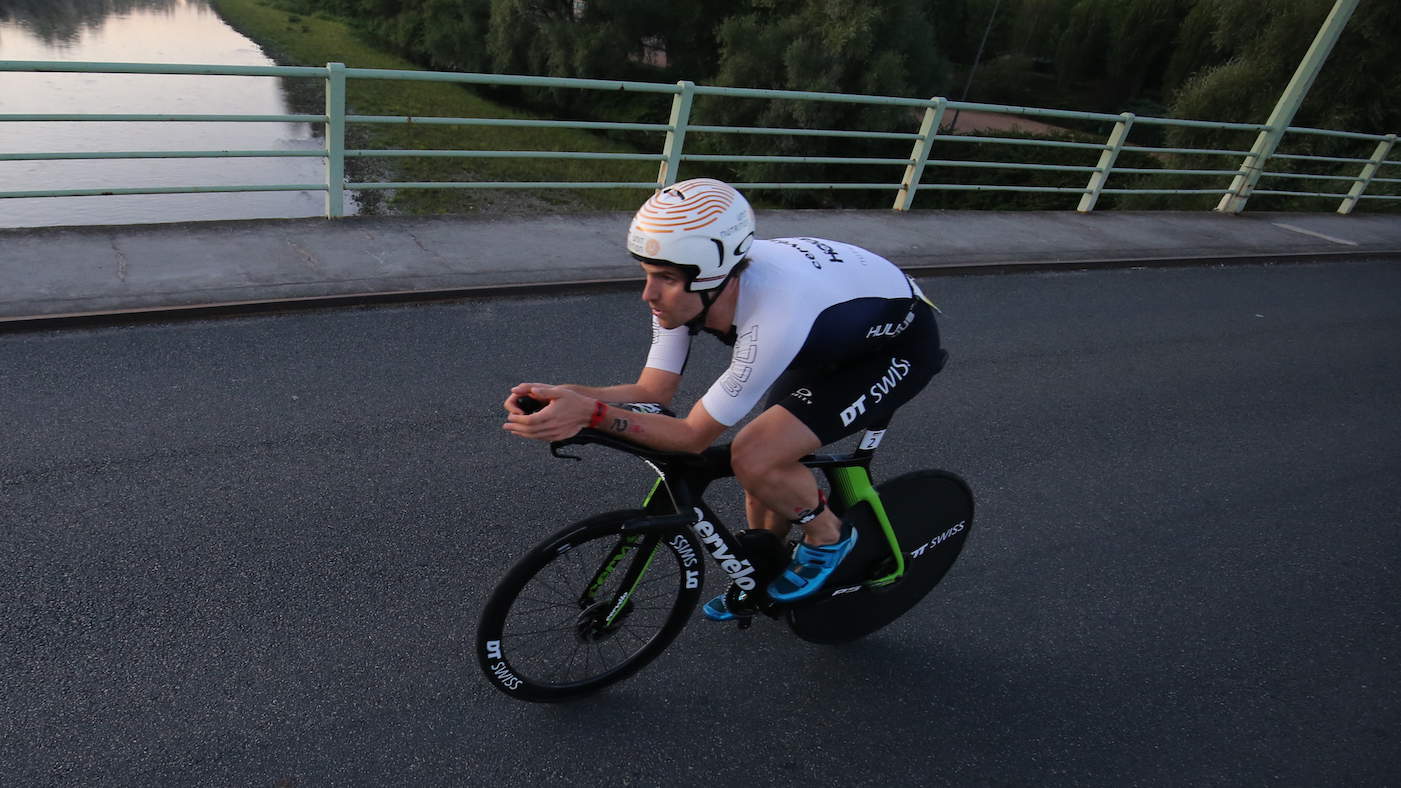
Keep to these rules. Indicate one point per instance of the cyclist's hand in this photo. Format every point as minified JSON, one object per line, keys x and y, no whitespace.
{"x":565,"y":413}
{"x":519,"y":390}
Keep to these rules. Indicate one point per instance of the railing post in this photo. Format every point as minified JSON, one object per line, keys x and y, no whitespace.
{"x":676,"y":134}
{"x":1250,"y":170}
{"x":1369,"y":171}
{"x":928,"y":129}
{"x":1106,"y":163}
{"x":1268,"y":140}
{"x":335,"y":140}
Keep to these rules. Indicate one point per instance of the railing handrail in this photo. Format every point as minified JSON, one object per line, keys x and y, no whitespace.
{"x":679,"y":126}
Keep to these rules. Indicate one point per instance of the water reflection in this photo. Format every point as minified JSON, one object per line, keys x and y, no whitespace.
{"x":156,"y":31}
{"x":61,"y":22}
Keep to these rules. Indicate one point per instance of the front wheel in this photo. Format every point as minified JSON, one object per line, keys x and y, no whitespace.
{"x":932,"y":513}
{"x":588,"y":607}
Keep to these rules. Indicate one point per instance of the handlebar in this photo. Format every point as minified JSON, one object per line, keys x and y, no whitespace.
{"x":529,"y":405}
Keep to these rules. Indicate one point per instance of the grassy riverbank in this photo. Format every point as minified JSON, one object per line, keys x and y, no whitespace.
{"x":293,"y":39}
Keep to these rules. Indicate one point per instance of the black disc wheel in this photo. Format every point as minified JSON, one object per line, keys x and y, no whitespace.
{"x":932,"y":513}
{"x":588,"y":607}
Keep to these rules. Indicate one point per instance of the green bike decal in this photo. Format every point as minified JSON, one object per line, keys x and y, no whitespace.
{"x":625,"y":546}
{"x":852,"y":485}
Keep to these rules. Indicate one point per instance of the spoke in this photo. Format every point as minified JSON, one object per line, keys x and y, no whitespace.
{"x":550,"y":645}
{"x":562,"y":594}
{"x":565,"y":628}
{"x":569,"y":663}
{"x":558,"y":653}
{"x":542,"y":607}
{"x":571,"y":562}
{"x":635,"y":636}
{"x":559,"y":576}
{"x":586,"y":651}
{"x":548,"y":621}
{"x":588,"y":659}
{"x":627,"y":653}
{"x":570,"y":605}
{"x":597,"y":561}
{"x":602,"y":659}
{"x":544,"y":614}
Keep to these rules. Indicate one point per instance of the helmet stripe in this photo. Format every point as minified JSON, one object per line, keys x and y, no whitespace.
{"x":663,"y":224}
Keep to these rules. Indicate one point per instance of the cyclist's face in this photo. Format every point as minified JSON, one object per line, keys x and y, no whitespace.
{"x":665,"y":292}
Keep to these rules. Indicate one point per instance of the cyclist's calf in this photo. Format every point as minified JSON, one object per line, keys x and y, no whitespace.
{"x":765,"y":459}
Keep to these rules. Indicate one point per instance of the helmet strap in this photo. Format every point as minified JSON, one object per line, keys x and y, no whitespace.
{"x":708,"y":298}
{"x":697,"y":323}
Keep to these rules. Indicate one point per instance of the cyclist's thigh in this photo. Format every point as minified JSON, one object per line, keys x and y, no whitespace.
{"x":837,"y":401}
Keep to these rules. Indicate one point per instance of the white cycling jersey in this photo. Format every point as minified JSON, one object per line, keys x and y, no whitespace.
{"x":788,"y":285}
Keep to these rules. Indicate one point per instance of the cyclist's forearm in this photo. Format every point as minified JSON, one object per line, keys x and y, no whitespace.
{"x":657,"y":431}
{"x":653,"y":385}
{"x":623,"y":392}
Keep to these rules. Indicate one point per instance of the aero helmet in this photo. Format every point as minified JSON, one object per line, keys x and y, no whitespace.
{"x":702,"y":225}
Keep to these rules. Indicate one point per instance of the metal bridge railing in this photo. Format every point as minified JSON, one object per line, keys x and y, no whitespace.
{"x":914,"y":168}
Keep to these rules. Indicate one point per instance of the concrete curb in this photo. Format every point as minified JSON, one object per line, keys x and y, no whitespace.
{"x":51,"y":277}
{"x":573,"y":287}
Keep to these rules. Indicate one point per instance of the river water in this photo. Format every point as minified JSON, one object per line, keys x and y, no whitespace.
{"x":146,"y":31}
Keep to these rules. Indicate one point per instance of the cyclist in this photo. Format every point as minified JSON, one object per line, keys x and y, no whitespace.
{"x":838,"y":336}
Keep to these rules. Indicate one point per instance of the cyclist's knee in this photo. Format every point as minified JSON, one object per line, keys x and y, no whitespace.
{"x":766,"y":445}
{"x":753,"y":460}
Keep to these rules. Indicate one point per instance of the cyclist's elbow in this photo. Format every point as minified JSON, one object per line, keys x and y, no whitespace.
{"x":700,"y":430}
{"x":694,"y":444}
{"x":658,"y":386}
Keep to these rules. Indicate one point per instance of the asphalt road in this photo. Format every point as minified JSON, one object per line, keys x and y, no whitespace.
{"x":251,"y":551}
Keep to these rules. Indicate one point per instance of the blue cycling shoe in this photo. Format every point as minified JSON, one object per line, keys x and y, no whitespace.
{"x":717,"y":610}
{"x":769,"y":557}
{"x":810,"y":568}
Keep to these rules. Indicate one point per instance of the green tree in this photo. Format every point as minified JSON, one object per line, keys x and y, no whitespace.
{"x":606,"y":39}
{"x":1247,"y":64}
{"x":635,"y":40}
{"x":1251,"y":61}
{"x":1122,"y":47}
{"x":531,"y":37}
{"x":1036,"y":26}
{"x":448,"y":34}
{"x":877,"y":47}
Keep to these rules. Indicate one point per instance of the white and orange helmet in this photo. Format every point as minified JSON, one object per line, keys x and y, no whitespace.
{"x":702,"y":225}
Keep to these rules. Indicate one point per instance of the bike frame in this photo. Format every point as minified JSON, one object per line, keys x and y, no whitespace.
{"x":684,"y":478}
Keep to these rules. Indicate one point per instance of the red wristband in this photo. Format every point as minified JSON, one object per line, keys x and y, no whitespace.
{"x":600,"y":411}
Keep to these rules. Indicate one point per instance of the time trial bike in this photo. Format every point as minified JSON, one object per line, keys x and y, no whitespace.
{"x":598,"y":600}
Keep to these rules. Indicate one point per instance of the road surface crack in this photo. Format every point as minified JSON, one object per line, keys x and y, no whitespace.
{"x":437,"y":258}
{"x":122,"y":265}
{"x":309,"y":258}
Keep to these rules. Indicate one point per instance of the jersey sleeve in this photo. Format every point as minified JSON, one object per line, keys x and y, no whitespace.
{"x":670,"y":347}
{"x":760,"y":357}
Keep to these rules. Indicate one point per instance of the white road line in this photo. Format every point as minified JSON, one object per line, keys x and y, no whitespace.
{"x":1316,"y":235}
